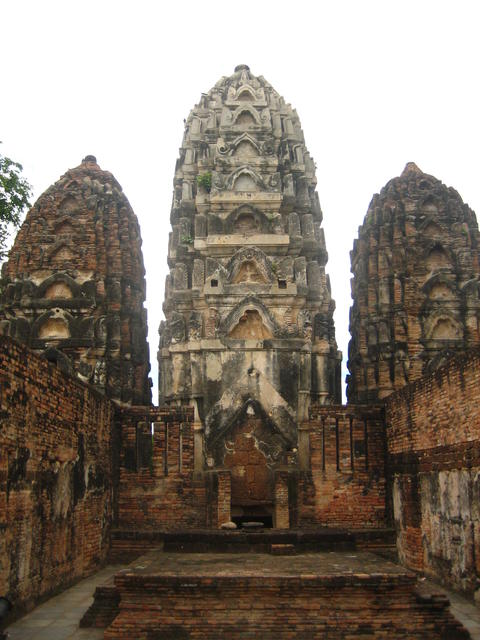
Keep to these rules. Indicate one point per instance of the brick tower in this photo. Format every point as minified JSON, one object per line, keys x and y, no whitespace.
{"x":74,"y":287}
{"x":415,"y":285}
{"x":249,"y":337}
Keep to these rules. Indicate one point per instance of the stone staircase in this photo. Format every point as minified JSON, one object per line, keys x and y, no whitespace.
{"x":270,"y":584}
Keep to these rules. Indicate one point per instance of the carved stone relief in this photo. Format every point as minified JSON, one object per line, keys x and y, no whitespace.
{"x":250,"y":327}
{"x":241,"y":271}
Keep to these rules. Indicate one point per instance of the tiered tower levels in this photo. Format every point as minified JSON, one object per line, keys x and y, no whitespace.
{"x":74,"y":286}
{"x":249,"y":316}
{"x":415,"y":287}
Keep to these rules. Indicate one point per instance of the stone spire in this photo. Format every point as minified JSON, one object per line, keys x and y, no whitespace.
{"x":249,"y":316}
{"x":74,"y":287}
{"x":415,"y":286}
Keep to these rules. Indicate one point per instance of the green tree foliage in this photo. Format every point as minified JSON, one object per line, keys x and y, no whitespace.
{"x":15,"y":192}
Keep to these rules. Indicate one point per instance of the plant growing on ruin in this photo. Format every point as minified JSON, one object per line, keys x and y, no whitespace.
{"x":15,"y":192}
{"x":186,"y":240}
{"x":205,"y":180}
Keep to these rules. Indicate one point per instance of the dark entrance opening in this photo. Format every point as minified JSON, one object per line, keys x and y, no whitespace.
{"x":265,"y":521}
{"x":252,"y":513}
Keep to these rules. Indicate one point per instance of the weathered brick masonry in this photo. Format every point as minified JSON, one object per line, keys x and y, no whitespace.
{"x":337,"y":479}
{"x":344,"y":482}
{"x":157,"y":488}
{"x":55,"y":476}
{"x":73,"y":287}
{"x":415,"y":285}
{"x":433,"y":431}
{"x":278,"y":608}
{"x":249,"y":372}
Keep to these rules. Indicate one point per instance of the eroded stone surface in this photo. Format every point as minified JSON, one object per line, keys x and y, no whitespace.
{"x":73,"y":288}
{"x":255,"y":565}
{"x":415,"y":285}
{"x":249,"y":316}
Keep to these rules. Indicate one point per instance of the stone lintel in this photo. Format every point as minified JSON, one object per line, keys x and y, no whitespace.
{"x":37,"y":276}
{"x":217,"y":344}
{"x":217,"y":244}
{"x":231,"y":299}
{"x":238,"y":291}
{"x":246,"y":196}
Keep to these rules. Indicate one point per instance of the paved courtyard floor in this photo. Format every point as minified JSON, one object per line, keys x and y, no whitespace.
{"x":58,"y":618}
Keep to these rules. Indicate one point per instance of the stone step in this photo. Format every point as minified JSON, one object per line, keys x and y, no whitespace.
{"x":127,"y":544}
{"x":210,"y":596}
{"x":282,"y":549}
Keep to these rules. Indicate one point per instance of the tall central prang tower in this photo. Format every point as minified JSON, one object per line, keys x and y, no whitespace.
{"x":249,"y":336}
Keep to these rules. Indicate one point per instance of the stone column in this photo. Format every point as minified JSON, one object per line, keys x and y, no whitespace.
{"x":198,"y":448}
{"x":320,"y":355}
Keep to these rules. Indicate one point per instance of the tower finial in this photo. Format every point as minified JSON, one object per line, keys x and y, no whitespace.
{"x":411,"y":167}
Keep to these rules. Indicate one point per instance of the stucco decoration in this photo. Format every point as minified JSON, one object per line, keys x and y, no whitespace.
{"x":250,"y":255}
{"x":250,"y":303}
{"x":246,"y":255}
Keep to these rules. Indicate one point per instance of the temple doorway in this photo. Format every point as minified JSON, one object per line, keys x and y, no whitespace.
{"x":252,"y":479}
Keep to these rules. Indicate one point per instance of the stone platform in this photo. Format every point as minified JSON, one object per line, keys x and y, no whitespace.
{"x":167,"y":596}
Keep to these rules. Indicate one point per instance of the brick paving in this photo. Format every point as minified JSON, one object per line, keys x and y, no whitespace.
{"x":241,"y":565}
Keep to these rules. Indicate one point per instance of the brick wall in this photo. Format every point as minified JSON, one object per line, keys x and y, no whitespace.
{"x":433,"y":432}
{"x":344,"y":484}
{"x":278,"y":607}
{"x":156,"y":484}
{"x":55,"y":471}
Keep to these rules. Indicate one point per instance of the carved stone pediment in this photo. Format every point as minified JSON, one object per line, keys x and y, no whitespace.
{"x":267,"y":437}
{"x":246,"y":93}
{"x":245,"y":179}
{"x":250,"y":265}
{"x":252,"y":304}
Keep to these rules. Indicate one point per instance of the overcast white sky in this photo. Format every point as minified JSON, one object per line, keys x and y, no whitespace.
{"x":376,"y":84}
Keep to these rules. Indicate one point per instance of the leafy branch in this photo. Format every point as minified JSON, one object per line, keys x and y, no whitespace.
{"x":205,"y":180}
{"x":15,"y":192}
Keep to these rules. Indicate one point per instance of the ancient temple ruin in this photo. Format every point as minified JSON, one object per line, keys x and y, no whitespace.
{"x":73,"y":287}
{"x":415,"y":285}
{"x":249,"y":315}
{"x":249,"y":448}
